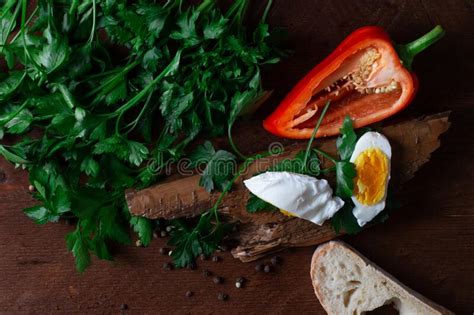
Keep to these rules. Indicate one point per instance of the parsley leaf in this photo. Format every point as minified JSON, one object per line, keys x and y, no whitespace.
{"x":347,"y":141}
{"x":255,"y":204}
{"x":220,"y":166}
{"x":144,"y":229}
{"x":345,"y":174}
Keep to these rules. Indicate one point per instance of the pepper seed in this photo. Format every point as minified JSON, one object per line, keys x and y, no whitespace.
{"x":206,"y":273}
{"x":189,"y":294}
{"x":164,"y":251}
{"x":123,"y":306}
{"x":138,"y":243}
{"x":238,"y":285}
{"x":267,"y":268}
{"x":217,"y":280}
{"x":163,"y":234}
{"x":258,"y":267}
{"x":31,"y":188}
{"x":222,"y":297}
{"x":275,"y":260}
{"x":167,"y":266}
{"x":203,"y":257}
{"x":215,"y":258}
{"x":169,"y":228}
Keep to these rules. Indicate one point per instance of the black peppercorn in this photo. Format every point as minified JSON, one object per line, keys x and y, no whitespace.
{"x":167,"y":266}
{"x":217,"y":280}
{"x":206,"y":273}
{"x":191,"y":266}
{"x":123,"y":306}
{"x":267,"y":268}
{"x":222,"y":297}
{"x":203,"y":257}
{"x":275,"y":260}
{"x":163,"y":234}
{"x":164,"y":251}
{"x":215,"y":258}
{"x":258,"y":267}
{"x":189,"y":294}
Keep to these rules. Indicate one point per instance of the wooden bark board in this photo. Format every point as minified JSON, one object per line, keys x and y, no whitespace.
{"x":412,"y":143}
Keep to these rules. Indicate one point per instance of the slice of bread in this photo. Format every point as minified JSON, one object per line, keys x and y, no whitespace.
{"x":346,"y":282}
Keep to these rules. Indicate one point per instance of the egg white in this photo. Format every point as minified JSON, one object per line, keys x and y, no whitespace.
{"x":301,"y":195}
{"x":371,"y":140}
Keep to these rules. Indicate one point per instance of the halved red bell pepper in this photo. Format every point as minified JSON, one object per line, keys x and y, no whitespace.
{"x":366,"y":77}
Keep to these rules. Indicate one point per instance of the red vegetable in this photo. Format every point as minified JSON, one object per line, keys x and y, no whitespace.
{"x":366,"y":77}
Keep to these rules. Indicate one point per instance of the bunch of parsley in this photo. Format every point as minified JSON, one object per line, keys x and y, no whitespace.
{"x":98,"y":90}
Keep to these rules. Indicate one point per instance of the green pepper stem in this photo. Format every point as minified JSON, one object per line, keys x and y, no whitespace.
{"x":408,"y":51}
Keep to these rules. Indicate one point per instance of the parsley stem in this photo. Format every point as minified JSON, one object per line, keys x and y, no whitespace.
{"x":138,"y":97}
{"x":205,"y":5}
{"x":315,"y":130}
{"x":232,"y":144}
{"x":239,"y":173}
{"x":27,"y":22}
{"x":94,"y":14}
{"x":328,"y":170}
{"x":326,"y":155}
{"x":265,"y":13}
{"x":10,"y":25}
{"x":112,"y":82}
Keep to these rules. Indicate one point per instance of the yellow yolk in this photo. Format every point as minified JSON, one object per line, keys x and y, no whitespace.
{"x":372,"y":175}
{"x":288,"y":214}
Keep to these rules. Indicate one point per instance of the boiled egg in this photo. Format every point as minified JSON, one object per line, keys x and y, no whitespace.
{"x":298,"y":195}
{"x":371,"y":156}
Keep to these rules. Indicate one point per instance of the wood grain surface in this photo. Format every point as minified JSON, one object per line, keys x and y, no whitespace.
{"x":428,"y":244}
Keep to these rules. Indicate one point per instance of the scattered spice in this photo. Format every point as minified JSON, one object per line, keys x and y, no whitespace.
{"x":191,"y":266}
{"x":189,"y":294}
{"x":164,"y":251}
{"x":163,"y":234}
{"x":170,"y":253}
{"x":167,"y":266}
{"x":203,"y":257}
{"x":206,"y":273}
{"x":155,"y":235}
{"x":123,"y":306}
{"x":169,"y":228}
{"x":275,"y":260}
{"x":217,"y":280}
{"x":258,"y":267}
{"x":31,"y":188}
{"x":215,"y":258}
{"x":222,"y":297}
{"x":238,"y":285}
{"x":138,"y":243}
{"x":267,"y":268}
{"x":223,"y":248}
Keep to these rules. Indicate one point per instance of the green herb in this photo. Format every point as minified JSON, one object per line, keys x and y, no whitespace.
{"x":209,"y":231}
{"x":305,"y":162}
{"x":255,"y":204}
{"x":182,"y":71}
{"x":220,"y":166}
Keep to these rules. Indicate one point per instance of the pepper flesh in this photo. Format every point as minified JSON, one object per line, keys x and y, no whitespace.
{"x":363,"y":78}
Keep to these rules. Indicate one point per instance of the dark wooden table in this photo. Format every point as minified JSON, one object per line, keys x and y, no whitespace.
{"x":428,"y":243}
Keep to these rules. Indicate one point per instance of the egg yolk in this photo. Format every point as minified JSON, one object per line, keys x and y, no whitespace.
{"x":372,"y":175}
{"x":288,"y":214}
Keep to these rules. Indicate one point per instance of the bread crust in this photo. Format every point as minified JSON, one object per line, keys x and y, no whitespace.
{"x":329,"y":246}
